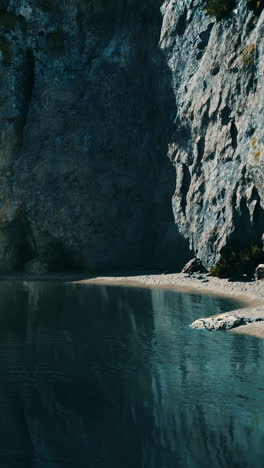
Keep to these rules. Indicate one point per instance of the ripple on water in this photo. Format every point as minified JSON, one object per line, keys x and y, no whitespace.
{"x":113,"y":377}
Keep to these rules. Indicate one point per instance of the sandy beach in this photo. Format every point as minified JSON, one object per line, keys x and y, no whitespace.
{"x":251,"y":293}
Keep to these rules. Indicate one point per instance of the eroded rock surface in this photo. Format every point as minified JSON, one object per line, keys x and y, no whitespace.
{"x":223,"y":322}
{"x":217,"y":146}
{"x":94,"y":95}
{"x":220,"y":322}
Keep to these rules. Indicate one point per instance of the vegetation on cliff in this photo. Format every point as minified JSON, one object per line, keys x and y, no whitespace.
{"x":238,"y":263}
{"x":222,"y":8}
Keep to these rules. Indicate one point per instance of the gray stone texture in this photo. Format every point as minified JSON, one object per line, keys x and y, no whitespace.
{"x":218,"y":143}
{"x":95,"y":95}
{"x":223,"y":322}
{"x":219,"y":322}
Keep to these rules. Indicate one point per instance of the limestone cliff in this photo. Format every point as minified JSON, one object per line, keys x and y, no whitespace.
{"x":218,"y":143}
{"x":95,"y":94}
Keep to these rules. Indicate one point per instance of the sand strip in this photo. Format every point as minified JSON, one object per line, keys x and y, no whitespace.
{"x":250,"y":293}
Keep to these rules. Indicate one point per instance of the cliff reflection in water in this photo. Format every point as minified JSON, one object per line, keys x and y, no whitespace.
{"x":111,"y":377}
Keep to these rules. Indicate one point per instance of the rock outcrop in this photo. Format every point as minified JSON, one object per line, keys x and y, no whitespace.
{"x":223,"y":322}
{"x":220,"y":322}
{"x":94,"y":95}
{"x":217,"y":146}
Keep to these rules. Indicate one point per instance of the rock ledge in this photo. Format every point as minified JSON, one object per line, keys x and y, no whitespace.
{"x":223,"y":322}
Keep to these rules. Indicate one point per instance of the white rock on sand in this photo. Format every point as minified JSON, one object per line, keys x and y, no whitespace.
{"x":220,"y":322}
{"x":223,"y":322}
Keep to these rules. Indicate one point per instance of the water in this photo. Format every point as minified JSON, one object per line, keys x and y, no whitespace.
{"x":111,"y":377}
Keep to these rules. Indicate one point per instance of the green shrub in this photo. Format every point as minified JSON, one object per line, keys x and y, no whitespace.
{"x":256,"y":5}
{"x":238,"y":263}
{"x":249,"y":55}
{"x":219,"y":8}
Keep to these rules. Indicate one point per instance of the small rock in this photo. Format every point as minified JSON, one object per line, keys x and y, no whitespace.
{"x":259,"y":274}
{"x":194,"y":266}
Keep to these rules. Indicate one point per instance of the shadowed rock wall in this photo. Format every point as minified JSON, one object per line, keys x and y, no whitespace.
{"x":86,"y":113}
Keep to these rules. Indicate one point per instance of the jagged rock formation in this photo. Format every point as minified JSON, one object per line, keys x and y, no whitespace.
{"x":218,"y":143}
{"x":93,"y":93}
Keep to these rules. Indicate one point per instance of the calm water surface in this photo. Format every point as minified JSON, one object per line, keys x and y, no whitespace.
{"x":111,"y":377}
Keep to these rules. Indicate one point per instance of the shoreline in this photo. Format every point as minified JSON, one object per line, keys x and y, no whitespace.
{"x":251,"y":294}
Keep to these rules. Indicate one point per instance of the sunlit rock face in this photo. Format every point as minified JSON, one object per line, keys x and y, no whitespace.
{"x":217,"y":147}
{"x":95,"y":95}
{"x":86,"y":113}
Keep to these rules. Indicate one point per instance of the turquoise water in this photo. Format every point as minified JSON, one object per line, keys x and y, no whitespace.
{"x":112,"y":377}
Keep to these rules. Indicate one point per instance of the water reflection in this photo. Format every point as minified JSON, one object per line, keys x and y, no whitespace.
{"x":109,"y":377}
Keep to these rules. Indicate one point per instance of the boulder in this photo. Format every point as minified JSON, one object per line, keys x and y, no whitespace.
{"x":260,"y":271}
{"x":194,"y":266}
{"x":219,"y":322}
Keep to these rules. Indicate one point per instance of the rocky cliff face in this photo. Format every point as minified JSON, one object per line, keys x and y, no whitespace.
{"x":218,"y":144}
{"x":94,"y":95}
{"x":86,"y":110}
